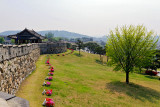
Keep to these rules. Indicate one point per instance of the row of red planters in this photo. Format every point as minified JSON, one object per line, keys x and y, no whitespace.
{"x":64,"y":54}
{"x":48,"y":102}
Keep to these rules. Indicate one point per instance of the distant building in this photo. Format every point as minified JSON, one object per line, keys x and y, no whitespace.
{"x":84,"y":39}
{"x":27,"y":36}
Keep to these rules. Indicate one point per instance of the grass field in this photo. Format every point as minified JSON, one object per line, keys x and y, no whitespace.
{"x":85,"y":82}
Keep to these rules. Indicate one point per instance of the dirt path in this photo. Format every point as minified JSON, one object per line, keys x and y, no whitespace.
{"x":33,"y":84}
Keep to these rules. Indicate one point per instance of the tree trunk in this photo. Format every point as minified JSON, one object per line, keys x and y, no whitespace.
{"x":127,"y":77}
{"x":79,"y":51}
{"x":102,"y":58}
{"x":107,"y":58}
{"x":140,"y":69}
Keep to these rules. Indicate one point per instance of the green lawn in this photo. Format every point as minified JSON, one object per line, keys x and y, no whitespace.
{"x":85,"y":82}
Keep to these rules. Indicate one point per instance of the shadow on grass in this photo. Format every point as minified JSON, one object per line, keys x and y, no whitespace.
{"x":152,"y":77}
{"x":134,"y":90}
{"x":100,"y":62}
{"x":77,"y":54}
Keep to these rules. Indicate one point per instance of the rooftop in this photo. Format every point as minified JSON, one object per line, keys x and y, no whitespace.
{"x":27,"y":34}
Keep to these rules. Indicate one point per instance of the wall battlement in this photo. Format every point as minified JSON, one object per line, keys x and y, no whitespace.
{"x":52,"y":48}
{"x":11,"y":51}
{"x":18,"y":61}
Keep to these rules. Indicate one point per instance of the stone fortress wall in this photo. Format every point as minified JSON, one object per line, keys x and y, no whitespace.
{"x":52,"y":48}
{"x":18,"y":61}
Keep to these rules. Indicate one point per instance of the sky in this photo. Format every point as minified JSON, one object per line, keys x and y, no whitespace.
{"x":89,"y":17}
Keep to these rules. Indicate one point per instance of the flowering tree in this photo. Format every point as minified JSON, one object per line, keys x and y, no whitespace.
{"x":129,"y":47}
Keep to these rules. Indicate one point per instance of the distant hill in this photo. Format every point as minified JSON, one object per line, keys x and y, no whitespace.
{"x":60,"y":33}
{"x":63,"y":33}
{"x":103,"y":38}
{"x":5,"y":33}
{"x":56,"y":33}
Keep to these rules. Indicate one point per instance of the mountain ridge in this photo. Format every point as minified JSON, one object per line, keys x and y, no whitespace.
{"x":57,"y":33}
{"x":62,"y":33}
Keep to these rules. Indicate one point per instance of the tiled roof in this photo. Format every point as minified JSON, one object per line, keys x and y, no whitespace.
{"x":33,"y":35}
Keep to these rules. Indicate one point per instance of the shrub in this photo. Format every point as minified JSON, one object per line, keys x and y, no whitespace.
{"x":51,"y":70}
{"x":50,"y":78}
{"x":50,"y":74}
{"x":48,"y":83}
{"x":48,"y":102}
{"x":150,"y":72}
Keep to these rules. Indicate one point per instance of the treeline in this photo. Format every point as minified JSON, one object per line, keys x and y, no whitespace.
{"x":2,"y":40}
{"x":92,"y":47}
{"x":50,"y":37}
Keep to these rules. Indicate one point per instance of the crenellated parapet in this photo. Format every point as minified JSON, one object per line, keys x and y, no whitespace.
{"x":11,"y":51}
{"x":18,"y":61}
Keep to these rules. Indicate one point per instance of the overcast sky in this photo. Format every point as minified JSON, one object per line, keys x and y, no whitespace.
{"x":90,"y":17}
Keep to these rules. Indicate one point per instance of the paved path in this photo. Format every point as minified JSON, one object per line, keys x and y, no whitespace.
{"x":8,"y":100}
{"x":3,"y":103}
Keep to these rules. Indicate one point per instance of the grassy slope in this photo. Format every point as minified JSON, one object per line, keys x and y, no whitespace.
{"x":83,"y":82}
